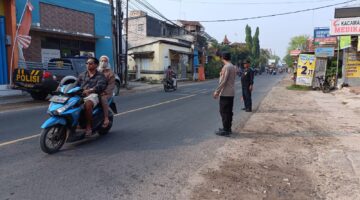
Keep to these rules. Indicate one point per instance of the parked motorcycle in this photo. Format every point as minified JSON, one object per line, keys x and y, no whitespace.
{"x":67,"y":116}
{"x":324,"y":84}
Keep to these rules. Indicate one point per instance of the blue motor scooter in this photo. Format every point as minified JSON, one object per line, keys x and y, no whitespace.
{"x":67,"y":116}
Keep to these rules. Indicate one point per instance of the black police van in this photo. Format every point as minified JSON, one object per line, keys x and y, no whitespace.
{"x":40,"y":79}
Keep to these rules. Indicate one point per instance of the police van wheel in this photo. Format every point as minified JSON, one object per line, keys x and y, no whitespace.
{"x":39,"y":95}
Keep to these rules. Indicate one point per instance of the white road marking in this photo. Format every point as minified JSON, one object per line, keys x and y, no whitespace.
{"x":18,"y":140}
{"x":155,"y":105}
{"x":119,"y":114}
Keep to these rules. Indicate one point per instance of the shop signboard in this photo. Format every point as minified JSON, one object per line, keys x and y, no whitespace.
{"x":295,"y":52}
{"x":305,"y":69}
{"x":345,"y":42}
{"x":324,"y":52}
{"x":345,"y":26}
{"x":322,"y":37}
{"x":353,"y":65}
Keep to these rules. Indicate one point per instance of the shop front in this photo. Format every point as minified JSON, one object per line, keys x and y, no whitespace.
{"x":3,"y":52}
{"x":68,"y":29}
{"x":7,"y":35}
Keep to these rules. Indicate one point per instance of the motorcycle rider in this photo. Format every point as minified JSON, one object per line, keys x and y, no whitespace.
{"x":93,"y":83}
{"x":170,"y":76}
{"x":105,"y":68}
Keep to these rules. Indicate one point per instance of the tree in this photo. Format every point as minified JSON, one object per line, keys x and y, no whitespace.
{"x":248,"y":39}
{"x":238,"y":54}
{"x":255,"y":51}
{"x":297,"y":42}
{"x":276,"y":58}
{"x":288,"y":60}
{"x":264,"y":57}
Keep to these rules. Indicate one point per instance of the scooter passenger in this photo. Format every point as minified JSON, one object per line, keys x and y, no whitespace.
{"x":93,"y":83}
{"x":105,"y":68}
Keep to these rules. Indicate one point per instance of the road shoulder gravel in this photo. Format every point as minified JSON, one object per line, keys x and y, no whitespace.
{"x":296,"y":145}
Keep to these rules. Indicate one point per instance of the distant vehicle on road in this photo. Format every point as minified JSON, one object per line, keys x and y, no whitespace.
{"x":169,"y":84}
{"x":41,"y":79}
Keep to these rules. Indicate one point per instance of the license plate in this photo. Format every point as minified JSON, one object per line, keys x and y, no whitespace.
{"x":58,"y":99}
{"x":28,"y":76}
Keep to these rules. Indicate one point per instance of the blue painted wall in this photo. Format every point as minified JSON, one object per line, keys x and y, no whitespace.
{"x":101,"y":12}
{"x":3,"y":55}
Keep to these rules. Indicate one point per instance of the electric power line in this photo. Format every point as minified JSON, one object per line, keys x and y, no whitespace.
{"x":147,"y":6}
{"x":278,"y":14}
{"x":257,"y":3}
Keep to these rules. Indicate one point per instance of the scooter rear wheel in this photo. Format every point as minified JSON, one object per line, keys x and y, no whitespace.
{"x":166,"y":89}
{"x":103,"y":131}
{"x":52,"y":139}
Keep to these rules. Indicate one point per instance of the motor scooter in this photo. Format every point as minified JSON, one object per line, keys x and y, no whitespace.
{"x":169,"y":84}
{"x":67,"y":117}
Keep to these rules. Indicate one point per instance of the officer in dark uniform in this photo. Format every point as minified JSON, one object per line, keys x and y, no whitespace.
{"x":247,"y":82}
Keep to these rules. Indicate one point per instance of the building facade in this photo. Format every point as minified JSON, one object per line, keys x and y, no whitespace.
{"x":7,"y":34}
{"x":67,"y":29}
{"x":142,"y":26}
{"x":150,"y":60}
{"x":154,"y":45}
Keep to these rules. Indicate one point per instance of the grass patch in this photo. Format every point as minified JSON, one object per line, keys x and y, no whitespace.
{"x":298,"y":87}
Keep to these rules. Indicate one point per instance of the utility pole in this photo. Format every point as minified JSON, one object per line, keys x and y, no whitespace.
{"x":126,"y":43}
{"x":119,"y":19}
{"x":114,"y":35}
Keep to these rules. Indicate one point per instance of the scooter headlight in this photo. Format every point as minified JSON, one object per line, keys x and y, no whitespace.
{"x":59,"y":111}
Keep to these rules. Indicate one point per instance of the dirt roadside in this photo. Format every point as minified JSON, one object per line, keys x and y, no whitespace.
{"x":296,"y":145}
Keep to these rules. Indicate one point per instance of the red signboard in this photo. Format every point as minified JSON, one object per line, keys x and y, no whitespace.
{"x":325,"y":41}
{"x":295,"y":52}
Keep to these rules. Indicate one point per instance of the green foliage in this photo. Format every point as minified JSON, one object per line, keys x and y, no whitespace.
{"x":256,"y":48}
{"x":213,"y":68}
{"x":255,"y":51}
{"x":277,"y":58}
{"x":331,"y":68}
{"x":289,"y":60}
{"x":264,"y":57}
{"x":298,"y":87}
{"x":298,"y":42}
{"x":238,"y":54}
{"x":248,"y":39}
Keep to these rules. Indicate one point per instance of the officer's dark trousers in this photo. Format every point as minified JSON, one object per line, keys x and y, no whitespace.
{"x":247,"y":98}
{"x":226,"y":111}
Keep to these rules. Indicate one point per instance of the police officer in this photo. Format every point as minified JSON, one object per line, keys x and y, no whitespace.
{"x":247,"y":82}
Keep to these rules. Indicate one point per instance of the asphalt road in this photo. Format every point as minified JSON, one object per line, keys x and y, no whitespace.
{"x":157,"y":142}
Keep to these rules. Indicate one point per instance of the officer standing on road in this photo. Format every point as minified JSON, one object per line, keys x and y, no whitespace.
{"x":226,"y":91}
{"x":247,"y":82}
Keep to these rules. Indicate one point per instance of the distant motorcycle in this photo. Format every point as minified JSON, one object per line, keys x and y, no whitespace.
{"x":169,"y":84}
{"x":67,"y":114}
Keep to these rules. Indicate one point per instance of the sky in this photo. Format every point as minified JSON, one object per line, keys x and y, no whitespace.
{"x":275,"y":32}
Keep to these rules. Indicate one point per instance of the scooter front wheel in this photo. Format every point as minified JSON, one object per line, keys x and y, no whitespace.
{"x":52,"y":138}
